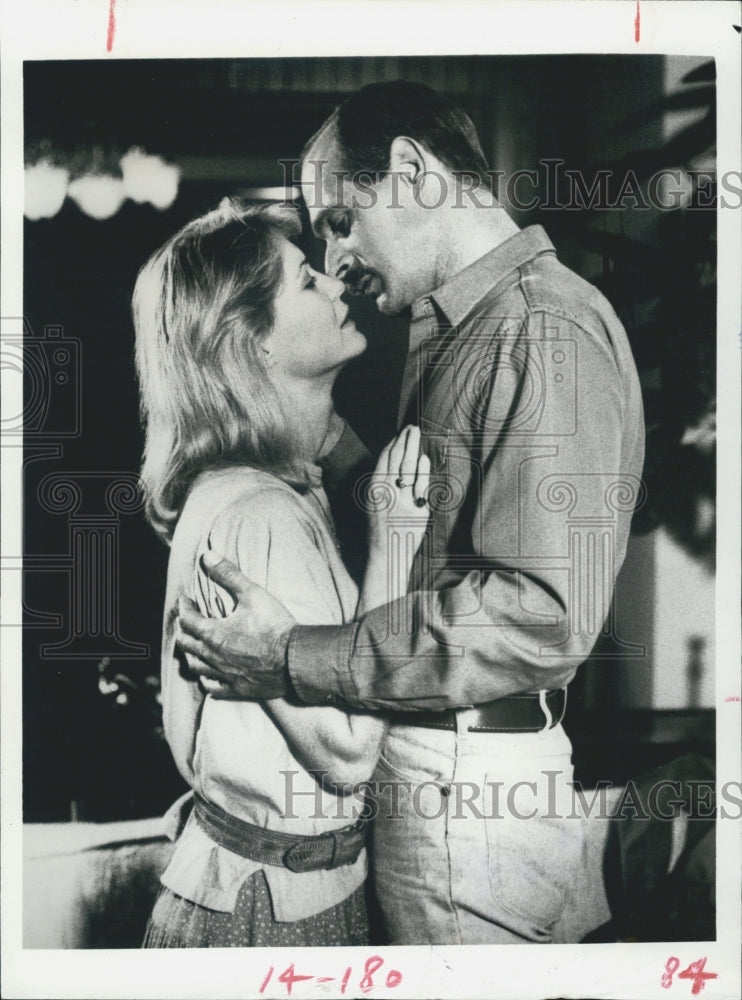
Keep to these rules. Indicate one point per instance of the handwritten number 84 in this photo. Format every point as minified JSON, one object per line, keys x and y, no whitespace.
{"x":694,"y":972}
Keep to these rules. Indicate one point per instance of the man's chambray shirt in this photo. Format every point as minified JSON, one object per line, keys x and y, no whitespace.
{"x":530,"y":408}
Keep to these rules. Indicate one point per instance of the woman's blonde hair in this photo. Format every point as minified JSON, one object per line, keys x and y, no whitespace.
{"x":202,"y":305}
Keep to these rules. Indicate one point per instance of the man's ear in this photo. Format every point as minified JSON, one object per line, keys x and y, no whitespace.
{"x":407,"y":158}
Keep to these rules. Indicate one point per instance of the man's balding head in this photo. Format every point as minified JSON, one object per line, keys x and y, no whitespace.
{"x":382,"y":181}
{"x":365,"y":125}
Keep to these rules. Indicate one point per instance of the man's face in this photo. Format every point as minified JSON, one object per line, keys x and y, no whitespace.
{"x":378,"y":238}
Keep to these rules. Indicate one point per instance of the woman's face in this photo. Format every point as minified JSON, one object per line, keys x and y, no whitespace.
{"x":312,"y":335}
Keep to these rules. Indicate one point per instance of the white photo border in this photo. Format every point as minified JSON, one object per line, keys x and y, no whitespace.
{"x":58,"y":29}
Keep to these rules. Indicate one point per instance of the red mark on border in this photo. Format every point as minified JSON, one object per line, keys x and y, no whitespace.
{"x":289,"y":977}
{"x":111,"y":25}
{"x":344,"y":984}
{"x":694,"y":972}
{"x":732,"y":698}
{"x":637,"y":22}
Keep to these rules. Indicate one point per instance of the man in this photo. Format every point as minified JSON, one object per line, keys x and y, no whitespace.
{"x":522,"y":381}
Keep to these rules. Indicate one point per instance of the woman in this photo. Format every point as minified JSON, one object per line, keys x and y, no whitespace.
{"x":239,"y":343}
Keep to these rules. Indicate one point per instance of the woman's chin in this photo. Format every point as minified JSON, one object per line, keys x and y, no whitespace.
{"x":362,"y":343}
{"x":355,"y":344}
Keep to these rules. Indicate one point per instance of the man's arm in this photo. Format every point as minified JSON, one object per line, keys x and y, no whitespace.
{"x":271,"y":539}
{"x":549,"y":526}
{"x":215,"y":648}
{"x":548,"y":536}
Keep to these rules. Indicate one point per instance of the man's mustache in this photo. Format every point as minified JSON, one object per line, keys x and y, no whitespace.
{"x":357,"y":279}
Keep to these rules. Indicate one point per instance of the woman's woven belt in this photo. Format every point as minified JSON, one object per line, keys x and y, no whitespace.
{"x":269,"y":847}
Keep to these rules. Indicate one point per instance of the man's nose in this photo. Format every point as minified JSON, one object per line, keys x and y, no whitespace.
{"x":338,"y":262}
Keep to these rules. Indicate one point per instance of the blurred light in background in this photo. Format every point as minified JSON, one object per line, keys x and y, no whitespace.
{"x":149,"y":179}
{"x":98,"y":195}
{"x":271,"y":193}
{"x":45,"y":190}
{"x":102,"y":181}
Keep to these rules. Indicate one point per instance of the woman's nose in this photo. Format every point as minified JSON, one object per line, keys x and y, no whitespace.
{"x":332,"y":287}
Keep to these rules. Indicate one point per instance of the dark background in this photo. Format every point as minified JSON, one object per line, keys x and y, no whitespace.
{"x":93,"y":749}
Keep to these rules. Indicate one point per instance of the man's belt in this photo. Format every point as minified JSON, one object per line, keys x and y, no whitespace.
{"x":518,"y":713}
{"x":285,"y":850}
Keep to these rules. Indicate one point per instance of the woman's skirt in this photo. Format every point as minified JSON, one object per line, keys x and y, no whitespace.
{"x":179,"y":923}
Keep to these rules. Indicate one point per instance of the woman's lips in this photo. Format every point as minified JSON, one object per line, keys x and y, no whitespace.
{"x":346,"y":321}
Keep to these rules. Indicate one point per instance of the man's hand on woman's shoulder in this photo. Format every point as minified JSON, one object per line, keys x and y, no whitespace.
{"x":246,"y":651}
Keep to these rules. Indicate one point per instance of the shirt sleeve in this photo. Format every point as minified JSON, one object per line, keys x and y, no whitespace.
{"x":276,"y":545}
{"x":269,"y":535}
{"x":548,"y":524}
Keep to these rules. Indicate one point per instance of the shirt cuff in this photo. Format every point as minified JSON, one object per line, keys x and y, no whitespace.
{"x":318,"y":660}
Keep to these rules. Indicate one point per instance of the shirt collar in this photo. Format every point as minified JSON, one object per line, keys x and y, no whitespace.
{"x":460,"y":294}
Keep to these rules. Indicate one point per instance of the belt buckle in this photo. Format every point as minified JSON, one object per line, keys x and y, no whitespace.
{"x":462,"y":718}
{"x":306,"y":855}
{"x":298,"y":859}
{"x":347,"y":842}
{"x":551,"y":722}
{"x":544,"y":706}
{"x":336,"y":838}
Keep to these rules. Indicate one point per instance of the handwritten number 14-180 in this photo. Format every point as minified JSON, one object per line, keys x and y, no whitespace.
{"x":372,"y":965}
